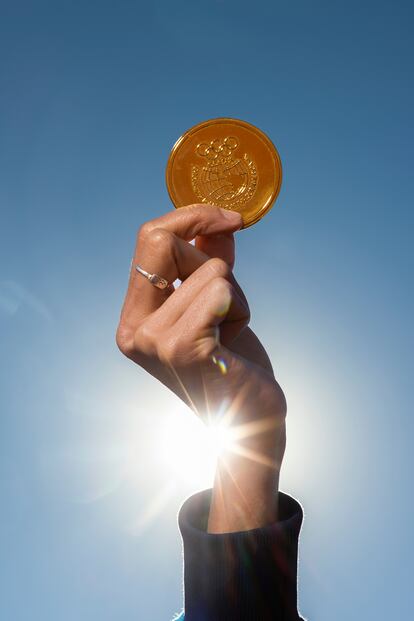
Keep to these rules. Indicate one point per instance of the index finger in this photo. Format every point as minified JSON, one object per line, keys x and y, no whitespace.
{"x":142,"y":297}
{"x":188,"y":222}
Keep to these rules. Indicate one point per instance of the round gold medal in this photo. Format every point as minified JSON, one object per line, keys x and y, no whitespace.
{"x":228,"y":163}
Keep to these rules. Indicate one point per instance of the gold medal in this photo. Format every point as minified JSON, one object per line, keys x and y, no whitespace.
{"x":228,"y":163}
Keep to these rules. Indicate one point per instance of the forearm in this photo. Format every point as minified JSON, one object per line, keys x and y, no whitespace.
{"x":246,"y":483}
{"x":247,"y":477}
{"x":242,"y":501}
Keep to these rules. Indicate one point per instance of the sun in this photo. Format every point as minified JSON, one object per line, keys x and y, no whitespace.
{"x":189,"y":448}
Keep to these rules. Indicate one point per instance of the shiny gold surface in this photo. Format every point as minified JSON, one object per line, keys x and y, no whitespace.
{"x":228,"y":163}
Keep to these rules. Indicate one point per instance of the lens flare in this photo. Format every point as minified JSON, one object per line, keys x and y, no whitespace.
{"x":220,"y":438}
{"x":189,"y":448}
{"x":221,"y":363}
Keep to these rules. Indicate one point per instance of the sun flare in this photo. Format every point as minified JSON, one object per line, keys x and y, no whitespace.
{"x":189,"y":448}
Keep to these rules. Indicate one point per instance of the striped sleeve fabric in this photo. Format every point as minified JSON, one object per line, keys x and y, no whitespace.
{"x":240,"y":576}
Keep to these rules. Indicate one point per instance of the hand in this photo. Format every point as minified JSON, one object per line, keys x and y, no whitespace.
{"x":196,"y":341}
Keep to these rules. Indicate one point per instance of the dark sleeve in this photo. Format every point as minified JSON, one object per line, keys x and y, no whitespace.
{"x":241,"y":576}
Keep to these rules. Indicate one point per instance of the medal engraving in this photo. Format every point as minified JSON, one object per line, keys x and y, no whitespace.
{"x":225,"y":179}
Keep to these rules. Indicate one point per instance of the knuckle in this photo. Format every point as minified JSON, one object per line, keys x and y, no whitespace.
{"x":220,"y":286}
{"x":144,"y":338}
{"x":144,"y":230}
{"x":157,"y":240}
{"x":218,"y":267}
{"x":160,"y":237}
{"x":125,"y":341}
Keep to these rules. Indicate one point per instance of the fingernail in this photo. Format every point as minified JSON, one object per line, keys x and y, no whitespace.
{"x":233,"y":216}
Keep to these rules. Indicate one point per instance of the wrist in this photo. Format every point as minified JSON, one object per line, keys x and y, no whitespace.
{"x":247,"y":478}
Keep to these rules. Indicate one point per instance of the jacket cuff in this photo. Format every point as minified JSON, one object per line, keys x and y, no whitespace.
{"x":248,"y":575}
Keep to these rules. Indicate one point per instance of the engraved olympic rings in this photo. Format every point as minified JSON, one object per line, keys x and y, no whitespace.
{"x":213,"y":149}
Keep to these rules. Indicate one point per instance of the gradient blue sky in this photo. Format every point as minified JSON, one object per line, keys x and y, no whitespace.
{"x":92,"y":96}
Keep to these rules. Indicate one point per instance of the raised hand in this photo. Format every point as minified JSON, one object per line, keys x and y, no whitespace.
{"x":196,"y":341}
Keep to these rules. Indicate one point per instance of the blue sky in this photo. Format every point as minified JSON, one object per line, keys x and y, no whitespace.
{"x":92,"y":97}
